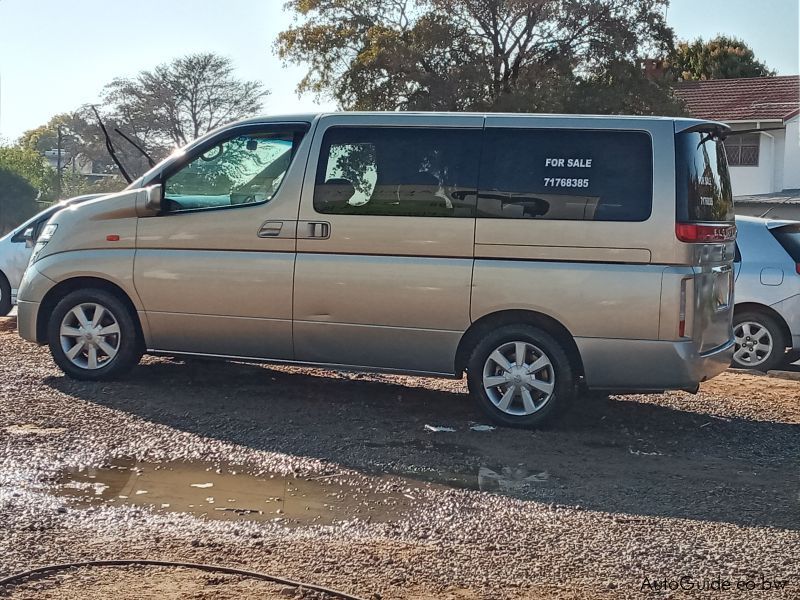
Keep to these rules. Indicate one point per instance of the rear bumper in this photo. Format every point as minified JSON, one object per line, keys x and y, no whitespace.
{"x":789,"y":309}
{"x":633,"y":365}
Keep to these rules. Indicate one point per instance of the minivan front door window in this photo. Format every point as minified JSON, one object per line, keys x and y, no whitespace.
{"x":245,"y":169}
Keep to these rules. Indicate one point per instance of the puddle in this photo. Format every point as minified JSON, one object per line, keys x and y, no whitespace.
{"x":229,"y":494}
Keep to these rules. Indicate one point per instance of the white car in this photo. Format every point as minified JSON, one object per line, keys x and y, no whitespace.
{"x":15,"y":250}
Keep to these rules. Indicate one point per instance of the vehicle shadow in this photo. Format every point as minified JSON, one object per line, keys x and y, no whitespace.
{"x":617,"y":455}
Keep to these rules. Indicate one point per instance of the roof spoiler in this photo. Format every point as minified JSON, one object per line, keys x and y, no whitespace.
{"x":720,"y":130}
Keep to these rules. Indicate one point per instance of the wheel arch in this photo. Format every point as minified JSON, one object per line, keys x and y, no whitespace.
{"x":517,"y":317}
{"x":61,"y":289}
{"x":769,"y":311}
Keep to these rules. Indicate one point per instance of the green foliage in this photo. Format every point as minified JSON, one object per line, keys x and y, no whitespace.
{"x":74,"y":184}
{"x":720,"y":58}
{"x":17,"y":200}
{"x":28,"y":164}
{"x":513,"y":55}
{"x":82,"y":141}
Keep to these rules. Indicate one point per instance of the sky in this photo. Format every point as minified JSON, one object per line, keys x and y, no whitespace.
{"x":57,"y":55}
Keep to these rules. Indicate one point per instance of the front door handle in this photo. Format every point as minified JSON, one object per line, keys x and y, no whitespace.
{"x":317,"y":230}
{"x":278,"y":229}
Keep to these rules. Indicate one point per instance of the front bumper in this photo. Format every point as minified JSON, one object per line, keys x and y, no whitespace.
{"x":641,"y":365}
{"x":27,"y":313}
{"x":32,"y":290}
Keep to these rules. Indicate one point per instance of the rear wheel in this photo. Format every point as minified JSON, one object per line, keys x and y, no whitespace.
{"x":92,"y":335}
{"x":520,"y":376}
{"x":5,"y":296}
{"x":760,"y":342}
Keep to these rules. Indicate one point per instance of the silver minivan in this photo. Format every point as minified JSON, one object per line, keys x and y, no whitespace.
{"x":540,"y":254}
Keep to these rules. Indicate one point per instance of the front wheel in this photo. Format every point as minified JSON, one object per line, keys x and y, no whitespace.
{"x":92,"y":336}
{"x":520,"y":376}
{"x":760,"y":342}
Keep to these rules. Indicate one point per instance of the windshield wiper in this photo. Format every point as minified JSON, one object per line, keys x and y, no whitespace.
{"x":110,"y":147}
{"x":149,"y":158}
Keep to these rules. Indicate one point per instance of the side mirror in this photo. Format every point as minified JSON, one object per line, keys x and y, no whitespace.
{"x":28,"y":235}
{"x":155,"y":194}
{"x":149,"y":201}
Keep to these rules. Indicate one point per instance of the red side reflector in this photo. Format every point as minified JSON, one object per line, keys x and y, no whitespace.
{"x":112,"y":238}
{"x":682,"y":313}
{"x":698,"y":233}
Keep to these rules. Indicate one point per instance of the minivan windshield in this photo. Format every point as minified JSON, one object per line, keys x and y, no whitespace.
{"x":703,"y":183}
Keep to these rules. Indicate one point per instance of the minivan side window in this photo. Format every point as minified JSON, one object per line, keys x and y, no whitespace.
{"x":566,"y":174}
{"x":245,"y":169}
{"x":398,"y":171}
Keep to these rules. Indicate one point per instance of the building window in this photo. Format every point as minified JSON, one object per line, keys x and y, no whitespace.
{"x":742,"y":150}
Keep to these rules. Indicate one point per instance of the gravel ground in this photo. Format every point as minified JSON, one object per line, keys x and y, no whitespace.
{"x":608,"y":503}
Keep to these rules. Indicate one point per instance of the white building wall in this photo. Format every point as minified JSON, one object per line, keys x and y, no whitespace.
{"x":791,"y":156}
{"x":768,"y":176}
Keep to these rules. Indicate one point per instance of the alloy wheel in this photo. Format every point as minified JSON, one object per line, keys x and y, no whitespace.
{"x":90,"y":336}
{"x":754,"y":343}
{"x":518,"y":378}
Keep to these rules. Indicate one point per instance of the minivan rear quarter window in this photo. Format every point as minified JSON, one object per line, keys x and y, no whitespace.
{"x":566,"y":174}
{"x":703,"y":184}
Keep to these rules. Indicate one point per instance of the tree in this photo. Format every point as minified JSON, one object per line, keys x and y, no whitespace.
{"x":720,"y":58}
{"x":83,"y":142}
{"x":181,"y":100}
{"x":531,"y":55}
{"x":159,"y":109}
{"x":17,"y":200}
{"x":29,"y":165}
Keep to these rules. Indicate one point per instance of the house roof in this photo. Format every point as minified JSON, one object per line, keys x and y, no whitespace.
{"x":748,"y":99}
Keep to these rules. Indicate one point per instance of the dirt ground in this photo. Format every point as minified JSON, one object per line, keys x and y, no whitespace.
{"x":620,"y":497}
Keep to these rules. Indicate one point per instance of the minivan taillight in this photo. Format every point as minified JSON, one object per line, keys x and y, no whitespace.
{"x":797,"y":268}
{"x":698,"y":233}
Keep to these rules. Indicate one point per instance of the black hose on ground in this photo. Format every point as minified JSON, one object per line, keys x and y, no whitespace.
{"x":169,"y":563}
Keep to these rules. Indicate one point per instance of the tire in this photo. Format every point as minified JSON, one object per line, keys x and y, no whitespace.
{"x":760,"y":341}
{"x":5,"y":296}
{"x":500,"y":389}
{"x":790,"y":357}
{"x":121,"y":335}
